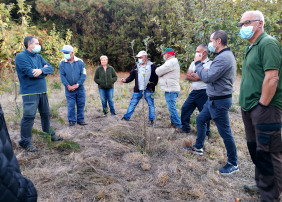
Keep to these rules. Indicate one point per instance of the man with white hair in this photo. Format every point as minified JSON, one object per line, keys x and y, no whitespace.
{"x":73,"y":75}
{"x":144,"y":74}
{"x":261,"y":103}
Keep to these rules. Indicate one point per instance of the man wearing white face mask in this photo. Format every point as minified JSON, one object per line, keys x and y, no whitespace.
{"x":144,"y":74}
{"x":198,"y":96}
{"x":73,"y":75}
{"x":261,"y":103}
{"x":32,"y":70}
{"x":219,"y":79}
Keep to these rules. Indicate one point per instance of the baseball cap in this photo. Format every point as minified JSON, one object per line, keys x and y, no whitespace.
{"x":168,"y":51}
{"x":67,"y":49}
{"x":141,"y":53}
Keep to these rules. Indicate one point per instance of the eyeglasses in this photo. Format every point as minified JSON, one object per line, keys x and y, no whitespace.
{"x":247,"y":22}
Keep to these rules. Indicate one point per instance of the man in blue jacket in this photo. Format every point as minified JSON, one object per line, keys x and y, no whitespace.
{"x":73,"y":75}
{"x":32,"y":70}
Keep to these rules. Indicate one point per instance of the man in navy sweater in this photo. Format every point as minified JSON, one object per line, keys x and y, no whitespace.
{"x":32,"y":69}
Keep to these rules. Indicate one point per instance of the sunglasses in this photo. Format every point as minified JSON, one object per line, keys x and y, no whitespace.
{"x":247,"y":22}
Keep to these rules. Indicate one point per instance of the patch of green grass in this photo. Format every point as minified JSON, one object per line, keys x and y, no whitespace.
{"x":54,"y":110}
{"x":189,"y":155}
{"x":45,"y":136}
{"x":233,"y":108}
{"x":56,"y":85}
{"x":67,"y":146}
{"x":61,"y":120}
{"x":124,"y":106}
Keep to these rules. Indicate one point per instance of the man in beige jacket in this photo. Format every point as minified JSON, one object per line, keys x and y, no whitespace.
{"x":169,"y":75}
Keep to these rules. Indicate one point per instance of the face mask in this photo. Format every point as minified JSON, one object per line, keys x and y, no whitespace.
{"x":140,"y":61}
{"x":197,"y":54}
{"x":246,"y":32}
{"x":36,"y":49}
{"x":164,"y":58}
{"x":211,"y":48}
{"x":67,"y":56}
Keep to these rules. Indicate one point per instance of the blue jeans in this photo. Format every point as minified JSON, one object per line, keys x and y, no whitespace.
{"x":106,"y":95}
{"x":170,"y":98}
{"x":30,"y":105}
{"x":218,"y":111}
{"x":149,"y":97}
{"x":77,"y":98}
{"x":197,"y":98}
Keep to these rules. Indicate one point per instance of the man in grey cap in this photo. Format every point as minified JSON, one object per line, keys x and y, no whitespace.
{"x":73,"y":75}
{"x":145,"y":82}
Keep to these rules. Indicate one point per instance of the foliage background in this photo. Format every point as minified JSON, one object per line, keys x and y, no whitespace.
{"x":121,"y":28}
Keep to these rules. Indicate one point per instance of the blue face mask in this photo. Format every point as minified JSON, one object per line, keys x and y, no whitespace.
{"x":36,"y":49}
{"x":140,"y":61}
{"x":246,"y":32}
{"x":164,"y":58}
{"x":211,"y":47}
{"x":67,"y":56}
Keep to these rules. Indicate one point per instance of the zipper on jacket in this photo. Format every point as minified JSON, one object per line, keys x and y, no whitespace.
{"x":106,"y":76}
{"x":72,"y":73}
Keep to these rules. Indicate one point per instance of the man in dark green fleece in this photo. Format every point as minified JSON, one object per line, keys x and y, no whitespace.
{"x":261,"y":102}
{"x":32,"y":70}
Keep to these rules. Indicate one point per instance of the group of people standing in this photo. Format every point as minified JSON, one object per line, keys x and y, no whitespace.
{"x":212,"y":88}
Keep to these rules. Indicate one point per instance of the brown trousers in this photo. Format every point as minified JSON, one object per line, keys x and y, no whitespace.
{"x":263,"y":133}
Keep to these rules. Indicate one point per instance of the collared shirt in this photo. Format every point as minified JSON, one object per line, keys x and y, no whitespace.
{"x":199,"y":85}
{"x":265,"y":54}
{"x":72,"y":72}
{"x":144,"y":73}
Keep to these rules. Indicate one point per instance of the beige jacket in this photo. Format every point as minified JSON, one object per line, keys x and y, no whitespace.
{"x":169,"y":75}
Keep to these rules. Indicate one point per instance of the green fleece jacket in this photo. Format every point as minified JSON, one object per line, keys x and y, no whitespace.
{"x":105,"y":79}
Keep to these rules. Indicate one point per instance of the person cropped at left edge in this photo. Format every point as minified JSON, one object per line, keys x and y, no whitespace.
{"x":73,"y":75}
{"x":32,"y":70}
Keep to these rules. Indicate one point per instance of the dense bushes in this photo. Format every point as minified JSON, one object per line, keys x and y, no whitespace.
{"x":119,"y":27}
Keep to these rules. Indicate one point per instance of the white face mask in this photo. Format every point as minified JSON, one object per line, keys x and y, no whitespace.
{"x":197,"y":54}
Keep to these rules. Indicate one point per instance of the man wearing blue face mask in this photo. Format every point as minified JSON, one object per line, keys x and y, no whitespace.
{"x":73,"y":75}
{"x":145,"y":81}
{"x":32,"y":70}
{"x":261,"y":103}
{"x":219,"y":79}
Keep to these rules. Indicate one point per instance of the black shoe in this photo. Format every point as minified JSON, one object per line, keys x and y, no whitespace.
{"x":31,"y":148}
{"x":180,"y":130}
{"x":172,"y":125}
{"x":124,"y":119}
{"x":151,"y":122}
{"x":71,"y":123}
{"x":56,"y":138}
{"x":251,"y":189}
{"x":82,"y":123}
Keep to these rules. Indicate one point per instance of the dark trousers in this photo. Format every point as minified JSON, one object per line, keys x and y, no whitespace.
{"x":218,"y":111}
{"x":197,"y":98}
{"x":30,"y":105}
{"x":263,"y":133}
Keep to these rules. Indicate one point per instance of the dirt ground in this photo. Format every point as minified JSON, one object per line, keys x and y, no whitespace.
{"x":111,"y":163}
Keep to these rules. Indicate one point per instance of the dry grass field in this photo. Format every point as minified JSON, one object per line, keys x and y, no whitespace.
{"x":106,"y":161}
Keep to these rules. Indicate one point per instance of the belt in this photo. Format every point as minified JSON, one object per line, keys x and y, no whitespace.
{"x":220,"y":97}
